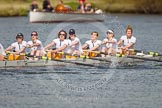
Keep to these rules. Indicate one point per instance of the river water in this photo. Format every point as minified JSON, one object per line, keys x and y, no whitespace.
{"x":75,"y":86}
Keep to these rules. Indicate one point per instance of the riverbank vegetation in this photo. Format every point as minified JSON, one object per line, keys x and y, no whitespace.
{"x":21,"y":7}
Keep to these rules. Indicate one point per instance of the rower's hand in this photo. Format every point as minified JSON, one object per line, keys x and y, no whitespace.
{"x":124,"y":48}
{"x":87,"y":54}
{"x":104,"y":42}
{"x":54,"y":51}
{"x":17,"y":53}
{"x":107,"y":41}
{"x":30,"y":46}
{"x":72,"y":46}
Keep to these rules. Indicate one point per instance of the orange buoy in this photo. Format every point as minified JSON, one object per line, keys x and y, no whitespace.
{"x":60,"y":9}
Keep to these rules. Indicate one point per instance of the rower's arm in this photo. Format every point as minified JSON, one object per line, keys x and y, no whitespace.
{"x":112,"y":41}
{"x":120,"y":42}
{"x":49,"y":45}
{"x":21,"y":50}
{"x":74,"y":43}
{"x":103,"y":42}
{"x":84,"y":46}
{"x":61,"y":48}
{"x":36,"y":44}
{"x":9,"y":48}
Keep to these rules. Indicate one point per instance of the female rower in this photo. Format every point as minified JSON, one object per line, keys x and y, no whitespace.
{"x":60,"y":43}
{"x":110,"y":44}
{"x":35,"y":45}
{"x":93,"y":44}
{"x":127,"y":40}
{"x":2,"y":52}
{"x":19,"y":46}
{"x":74,"y":44}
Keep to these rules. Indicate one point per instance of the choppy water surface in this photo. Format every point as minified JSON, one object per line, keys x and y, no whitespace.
{"x":77,"y":86}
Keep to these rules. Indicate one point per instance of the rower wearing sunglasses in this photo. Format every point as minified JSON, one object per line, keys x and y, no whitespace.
{"x":2,"y":52}
{"x":60,"y":44}
{"x":35,"y":45}
{"x":19,"y":46}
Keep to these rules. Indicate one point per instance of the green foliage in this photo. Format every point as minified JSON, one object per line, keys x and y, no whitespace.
{"x":149,"y":6}
{"x":72,"y":4}
{"x":134,"y":6}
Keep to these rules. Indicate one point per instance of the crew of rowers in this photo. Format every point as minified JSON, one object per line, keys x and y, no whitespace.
{"x":73,"y":46}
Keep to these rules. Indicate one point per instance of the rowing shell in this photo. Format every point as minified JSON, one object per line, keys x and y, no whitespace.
{"x":97,"y":61}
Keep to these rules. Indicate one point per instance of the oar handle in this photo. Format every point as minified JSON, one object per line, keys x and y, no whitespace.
{"x":97,"y":52}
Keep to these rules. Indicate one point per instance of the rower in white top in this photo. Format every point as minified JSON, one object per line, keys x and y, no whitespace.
{"x":93,"y":44}
{"x":74,"y":43}
{"x":35,"y":45}
{"x":127,"y":40}
{"x":19,"y":46}
{"x":2,"y":52}
{"x":109,"y":44}
{"x":60,"y":43}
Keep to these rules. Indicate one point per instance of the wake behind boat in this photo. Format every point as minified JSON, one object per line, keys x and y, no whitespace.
{"x":44,"y":17}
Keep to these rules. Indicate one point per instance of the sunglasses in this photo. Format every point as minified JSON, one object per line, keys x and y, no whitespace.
{"x":33,"y":34}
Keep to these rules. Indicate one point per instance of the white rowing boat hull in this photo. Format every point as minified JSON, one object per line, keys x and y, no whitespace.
{"x":63,"y":62}
{"x":41,"y":17}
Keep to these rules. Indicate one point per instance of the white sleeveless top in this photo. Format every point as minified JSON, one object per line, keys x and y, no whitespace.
{"x":17,"y":46}
{"x":59,"y":43}
{"x":93,"y":44}
{"x":128,"y":41}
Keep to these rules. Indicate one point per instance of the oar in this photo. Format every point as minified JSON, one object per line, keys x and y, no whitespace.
{"x":76,"y":63}
{"x":157,"y":59}
{"x":146,"y":52}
